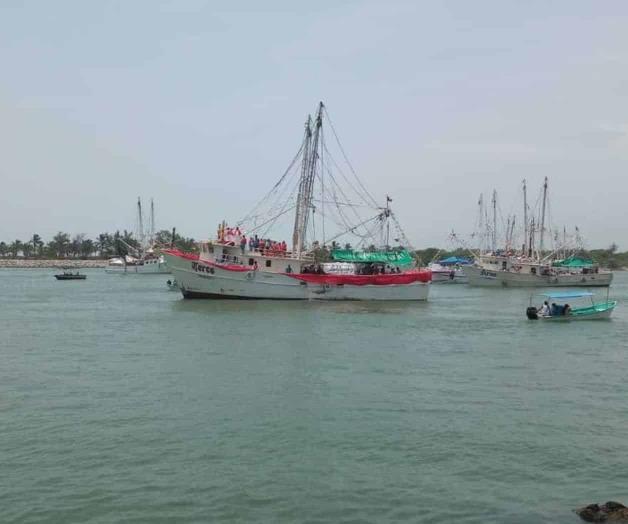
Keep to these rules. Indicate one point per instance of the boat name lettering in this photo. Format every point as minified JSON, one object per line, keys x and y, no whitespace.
{"x":199,"y":268}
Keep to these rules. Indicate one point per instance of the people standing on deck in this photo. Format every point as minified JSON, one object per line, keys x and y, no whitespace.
{"x":243,"y":244}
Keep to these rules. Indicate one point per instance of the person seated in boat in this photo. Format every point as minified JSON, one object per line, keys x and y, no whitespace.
{"x":567,"y":310}
{"x":554,"y":310}
{"x":545,"y":310}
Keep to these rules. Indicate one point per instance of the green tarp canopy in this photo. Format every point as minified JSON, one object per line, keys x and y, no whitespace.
{"x":402,"y":258}
{"x":573,"y":262}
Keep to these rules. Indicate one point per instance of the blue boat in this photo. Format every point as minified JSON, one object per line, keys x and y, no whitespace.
{"x":558,"y":309}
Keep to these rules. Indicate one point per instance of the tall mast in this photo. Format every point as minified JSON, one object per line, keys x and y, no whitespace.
{"x":481,"y":221}
{"x":309,"y":194}
{"x":531,"y":240}
{"x":140,"y":222}
{"x":525,"y":217}
{"x":301,"y":209}
{"x":152,"y":222}
{"x":494,"y":239}
{"x":543,"y":216}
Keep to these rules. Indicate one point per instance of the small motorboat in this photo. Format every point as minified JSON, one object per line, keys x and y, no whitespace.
{"x":557,"y":308}
{"x":69,"y":275}
{"x":172,"y":285}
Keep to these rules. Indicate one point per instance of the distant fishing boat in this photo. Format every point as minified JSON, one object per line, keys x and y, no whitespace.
{"x":240,"y":264}
{"x":143,"y":259}
{"x":68,"y":275}
{"x":560,"y":310}
{"x":449,"y":270}
{"x":533,"y":265}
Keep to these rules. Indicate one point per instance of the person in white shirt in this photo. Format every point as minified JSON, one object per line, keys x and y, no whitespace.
{"x":545,"y":309}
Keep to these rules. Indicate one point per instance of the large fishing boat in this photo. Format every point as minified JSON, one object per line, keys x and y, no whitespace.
{"x":141,"y":258}
{"x":532,"y":265}
{"x":244,"y":261}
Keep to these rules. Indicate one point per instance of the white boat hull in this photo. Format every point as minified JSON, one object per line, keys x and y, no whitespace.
{"x":199,"y":280}
{"x":497,"y":278}
{"x":449,"y":277}
{"x":149,"y":267}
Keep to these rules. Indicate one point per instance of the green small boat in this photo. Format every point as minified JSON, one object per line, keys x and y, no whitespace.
{"x":556,"y":308}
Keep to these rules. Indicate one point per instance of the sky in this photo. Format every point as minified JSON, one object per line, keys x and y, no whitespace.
{"x":201,"y":106}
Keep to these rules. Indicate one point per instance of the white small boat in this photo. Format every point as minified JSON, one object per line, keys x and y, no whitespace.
{"x":449,"y":271}
{"x":560,"y":310}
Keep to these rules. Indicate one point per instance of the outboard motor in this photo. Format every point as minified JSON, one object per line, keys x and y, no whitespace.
{"x":532,"y":313}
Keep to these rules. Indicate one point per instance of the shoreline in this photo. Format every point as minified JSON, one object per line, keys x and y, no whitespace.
{"x":17,"y":263}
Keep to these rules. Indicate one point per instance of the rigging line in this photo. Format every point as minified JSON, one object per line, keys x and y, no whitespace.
{"x":289,"y":168}
{"x":341,"y":214}
{"x":273,"y":219}
{"x":403,"y":235}
{"x":362,"y":196}
{"x":345,"y":156}
{"x":275,"y":205}
{"x":350,"y":230}
{"x":339,"y":187}
{"x":348,"y":204}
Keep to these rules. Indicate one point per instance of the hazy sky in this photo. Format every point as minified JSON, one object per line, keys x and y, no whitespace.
{"x":201,"y":105}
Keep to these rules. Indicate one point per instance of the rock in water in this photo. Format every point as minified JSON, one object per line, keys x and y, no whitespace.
{"x":609,"y":512}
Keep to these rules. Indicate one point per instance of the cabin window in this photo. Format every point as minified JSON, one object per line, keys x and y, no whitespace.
{"x":251,"y":261}
{"x":268,"y":263}
{"x":504,"y":264}
{"x":533,"y":270}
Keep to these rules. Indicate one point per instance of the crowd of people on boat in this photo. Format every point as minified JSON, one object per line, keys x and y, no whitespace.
{"x":233,"y":236}
{"x":377,"y":269}
{"x":555,"y":310}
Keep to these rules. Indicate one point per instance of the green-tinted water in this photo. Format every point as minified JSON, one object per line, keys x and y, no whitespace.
{"x":121,"y":402}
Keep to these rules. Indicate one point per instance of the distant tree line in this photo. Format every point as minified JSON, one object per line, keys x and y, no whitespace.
{"x":105,"y":245}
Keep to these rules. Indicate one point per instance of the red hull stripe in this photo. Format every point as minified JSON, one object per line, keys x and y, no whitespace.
{"x":408,"y":277}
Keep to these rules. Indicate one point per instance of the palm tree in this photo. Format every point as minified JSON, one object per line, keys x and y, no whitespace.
{"x":104,"y":244}
{"x":37,"y":243}
{"x":15,"y":247}
{"x":4,"y":249}
{"x":87,"y":247}
{"x":59,"y":244}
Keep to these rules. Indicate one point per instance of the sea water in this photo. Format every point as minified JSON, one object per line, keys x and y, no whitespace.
{"x":122,"y":402}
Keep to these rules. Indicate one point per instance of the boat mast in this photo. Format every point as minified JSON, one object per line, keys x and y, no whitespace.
{"x":312,"y":172}
{"x":152,"y":223}
{"x":543,"y":216}
{"x":531,"y":241}
{"x":525,"y":217}
{"x":140,"y":223}
{"x":494,"y":239}
{"x":297,"y":240}
{"x":306,"y":184}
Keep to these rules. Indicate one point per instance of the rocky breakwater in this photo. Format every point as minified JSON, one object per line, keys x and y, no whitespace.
{"x":609,"y":512}
{"x":22,"y":263}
